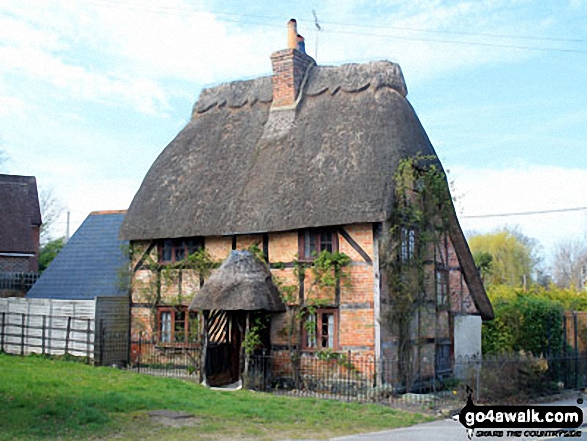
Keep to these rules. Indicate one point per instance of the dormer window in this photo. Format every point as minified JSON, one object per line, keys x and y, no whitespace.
{"x":313,"y":242}
{"x":176,"y":250}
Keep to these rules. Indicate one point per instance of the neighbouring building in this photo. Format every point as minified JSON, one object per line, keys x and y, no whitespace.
{"x":20,"y":224}
{"x":295,"y":163}
{"x":89,"y":278}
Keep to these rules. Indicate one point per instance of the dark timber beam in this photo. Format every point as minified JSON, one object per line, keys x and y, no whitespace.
{"x":355,"y":245}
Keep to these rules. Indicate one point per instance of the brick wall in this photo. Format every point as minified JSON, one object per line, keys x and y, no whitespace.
{"x":355,"y":311}
{"x":218,"y":246}
{"x":18,"y":264}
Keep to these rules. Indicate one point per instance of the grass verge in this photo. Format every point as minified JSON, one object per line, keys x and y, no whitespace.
{"x":49,"y":399}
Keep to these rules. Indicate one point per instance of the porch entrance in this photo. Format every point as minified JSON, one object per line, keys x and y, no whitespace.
{"x":238,"y":294}
{"x":225,"y":355}
{"x":226,"y":330}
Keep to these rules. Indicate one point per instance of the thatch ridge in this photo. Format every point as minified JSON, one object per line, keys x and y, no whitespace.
{"x":241,"y":283}
{"x":332,"y":165}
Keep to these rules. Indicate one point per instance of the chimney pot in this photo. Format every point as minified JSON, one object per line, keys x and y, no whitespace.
{"x":292,"y":34}
{"x":301,"y":44}
{"x":289,"y":67}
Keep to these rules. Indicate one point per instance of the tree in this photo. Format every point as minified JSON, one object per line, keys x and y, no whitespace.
{"x":510,"y":255}
{"x":49,"y":251}
{"x":483,"y":261}
{"x":569,"y":263}
{"x":51,"y":209}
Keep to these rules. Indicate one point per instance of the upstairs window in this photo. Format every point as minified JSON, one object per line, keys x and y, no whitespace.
{"x":175,"y":250}
{"x":313,"y":242}
{"x":408,"y":244}
{"x":441,"y":288}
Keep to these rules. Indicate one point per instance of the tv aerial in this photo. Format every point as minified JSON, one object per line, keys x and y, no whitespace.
{"x":318,"y":30}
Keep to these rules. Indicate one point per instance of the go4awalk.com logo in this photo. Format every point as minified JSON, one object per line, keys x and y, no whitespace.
{"x":518,"y":421}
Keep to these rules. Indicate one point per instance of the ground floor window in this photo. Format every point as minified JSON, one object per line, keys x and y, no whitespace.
{"x":443,"y":358}
{"x":320,"y":329}
{"x":177,"y":325}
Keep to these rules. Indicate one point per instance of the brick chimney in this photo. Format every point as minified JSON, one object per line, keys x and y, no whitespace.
{"x":289,"y":67}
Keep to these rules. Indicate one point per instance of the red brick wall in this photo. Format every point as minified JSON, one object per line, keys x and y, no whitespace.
{"x":16,"y":264}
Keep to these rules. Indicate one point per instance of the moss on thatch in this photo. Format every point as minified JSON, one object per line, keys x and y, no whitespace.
{"x":241,"y":283}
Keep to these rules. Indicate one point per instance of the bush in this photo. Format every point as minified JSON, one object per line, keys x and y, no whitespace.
{"x":512,"y":378}
{"x":523,"y":322}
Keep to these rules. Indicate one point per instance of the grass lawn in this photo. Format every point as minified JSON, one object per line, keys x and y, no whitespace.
{"x":50,"y":399}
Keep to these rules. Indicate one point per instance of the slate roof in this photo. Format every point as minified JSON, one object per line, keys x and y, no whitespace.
{"x":90,"y":264}
{"x":19,"y":213}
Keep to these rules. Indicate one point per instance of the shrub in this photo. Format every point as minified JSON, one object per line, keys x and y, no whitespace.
{"x":523,"y":322}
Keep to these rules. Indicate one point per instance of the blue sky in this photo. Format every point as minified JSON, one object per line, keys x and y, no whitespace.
{"x":92,"y":91}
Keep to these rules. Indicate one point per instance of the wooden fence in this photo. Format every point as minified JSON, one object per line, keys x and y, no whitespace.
{"x":97,"y":329}
{"x":48,"y":335}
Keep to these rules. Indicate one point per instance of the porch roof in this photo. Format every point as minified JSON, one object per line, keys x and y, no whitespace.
{"x":241,"y":283}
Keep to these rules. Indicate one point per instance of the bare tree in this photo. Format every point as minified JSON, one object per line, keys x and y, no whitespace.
{"x":51,"y":209}
{"x":569,"y":262}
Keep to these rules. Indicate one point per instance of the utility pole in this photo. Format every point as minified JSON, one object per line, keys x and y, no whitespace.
{"x":67,"y":229}
{"x":318,"y":29}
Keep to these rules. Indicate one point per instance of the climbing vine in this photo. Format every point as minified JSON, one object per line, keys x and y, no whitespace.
{"x":317,"y":284}
{"x":419,"y":224}
{"x":199,"y":264}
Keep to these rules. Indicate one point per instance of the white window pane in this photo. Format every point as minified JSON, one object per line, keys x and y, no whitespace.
{"x":165,"y":327}
{"x":330,"y":330}
{"x":311,"y":331}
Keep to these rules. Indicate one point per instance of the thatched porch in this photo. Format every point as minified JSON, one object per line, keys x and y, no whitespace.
{"x":239,"y":292}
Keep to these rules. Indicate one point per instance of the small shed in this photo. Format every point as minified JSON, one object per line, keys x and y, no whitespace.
{"x":93,"y":266}
{"x":240,"y":292}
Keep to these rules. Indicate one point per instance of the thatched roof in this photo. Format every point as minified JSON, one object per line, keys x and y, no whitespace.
{"x":470,"y":271}
{"x":242,"y":283}
{"x":239,"y":168}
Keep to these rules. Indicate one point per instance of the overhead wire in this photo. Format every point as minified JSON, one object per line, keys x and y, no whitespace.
{"x":525,"y":213}
{"x":260,"y":20}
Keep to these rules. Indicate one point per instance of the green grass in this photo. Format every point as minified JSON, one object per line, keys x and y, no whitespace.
{"x":50,"y":399}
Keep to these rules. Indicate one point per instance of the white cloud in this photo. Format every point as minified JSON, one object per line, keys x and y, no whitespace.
{"x":127,"y":53}
{"x":520,"y":189}
{"x":10,"y":105}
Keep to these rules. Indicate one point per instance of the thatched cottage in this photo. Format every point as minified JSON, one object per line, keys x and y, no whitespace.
{"x":297,"y":163}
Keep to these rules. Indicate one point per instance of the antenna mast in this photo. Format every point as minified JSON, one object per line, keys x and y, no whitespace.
{"x":318,"y":29}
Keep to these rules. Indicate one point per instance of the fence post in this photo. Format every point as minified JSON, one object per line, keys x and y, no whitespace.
{"x":348,"y":376}
{"x":67,"y":335}
{"x":477,"y":378}
{"x":22,"y":335}
{"x":88,"y":332}
{"x":140,"y":352}
{"x":43,"y":335}
{"x":575,"y":338}
{"x":102,"y":339}
{"x":2,"y":333}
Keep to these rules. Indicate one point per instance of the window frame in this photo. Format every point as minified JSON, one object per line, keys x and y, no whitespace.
{"x":442,"y":284}
{"x":319,"y":336}
{"x":178,"y":248}
{"x":443,"y":357}
{"x":315,"y":234}
{"x":408,"y":243}
{"x":190,"y":317}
